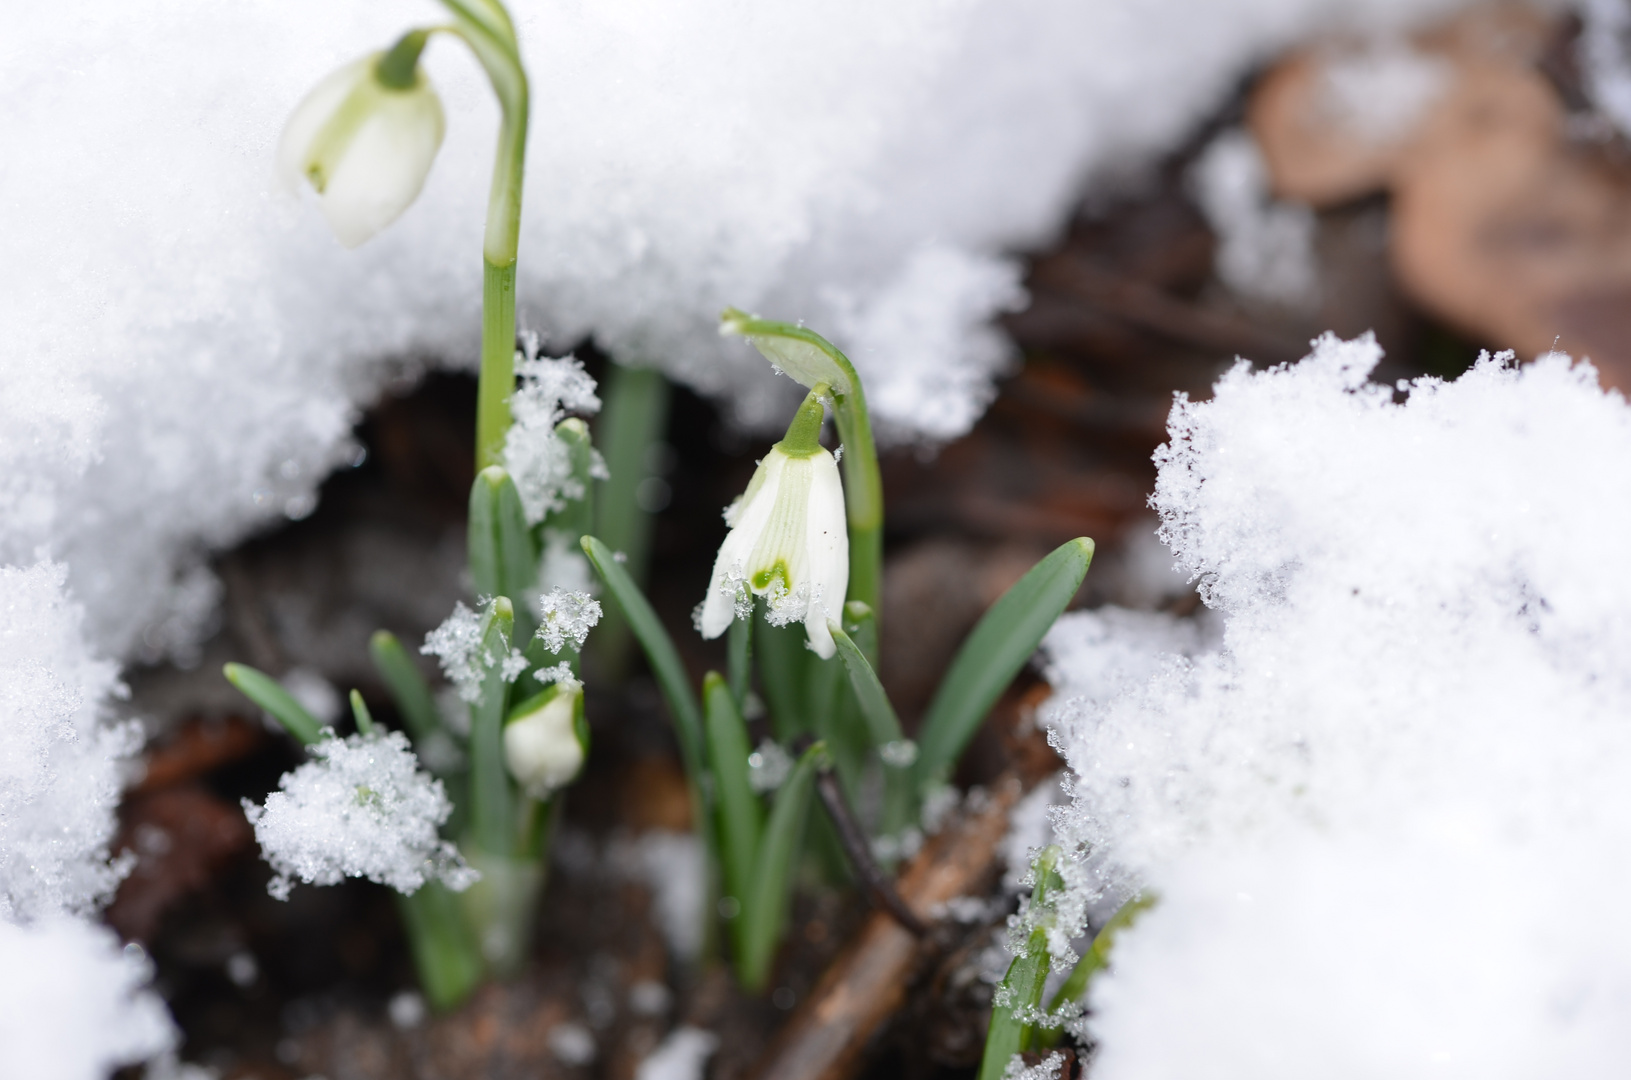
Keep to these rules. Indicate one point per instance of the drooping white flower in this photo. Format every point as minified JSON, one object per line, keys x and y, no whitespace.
{"x":544,"y":741}
{"x":364,"y":146}
{"x":788,"y":541}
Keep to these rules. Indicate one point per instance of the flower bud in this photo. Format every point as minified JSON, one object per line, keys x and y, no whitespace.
{"x":364,"y":146}
{"x":544,"y":739}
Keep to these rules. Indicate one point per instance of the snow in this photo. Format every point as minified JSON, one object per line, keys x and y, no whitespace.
{"x":1381,"y":812}
{"x":566,"y":616}
{"x":538,"y":460}
{"x":457,"y":644}
{"x":1605,"y":54}
{"x":73,"y":1004}
{"x":1265,"y":248}
{"x":186,"y":348}
{"x":671,"y":865}
{"x":361,"y":807}
{"x":682,"y":1055}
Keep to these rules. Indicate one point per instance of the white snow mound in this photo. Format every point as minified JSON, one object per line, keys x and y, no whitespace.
{"x":1386,"y":815}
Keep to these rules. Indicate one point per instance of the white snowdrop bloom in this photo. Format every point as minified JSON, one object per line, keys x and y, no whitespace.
{"x":360,"y":808}
{"x":364,"y":146}
{"x":788,"y":540}
{"x":565,"y":615}
{"x":543,"y":746}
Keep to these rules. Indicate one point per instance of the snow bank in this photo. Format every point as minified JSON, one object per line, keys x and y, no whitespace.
{"x":71,"y":1006}
{"x":185,"y":346}
{"x":1387,"y":815}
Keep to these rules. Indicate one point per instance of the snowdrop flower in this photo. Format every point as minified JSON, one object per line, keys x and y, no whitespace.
{"x":365,"y":138}
{"x":544,"y":739}
{"x":788,"y":540}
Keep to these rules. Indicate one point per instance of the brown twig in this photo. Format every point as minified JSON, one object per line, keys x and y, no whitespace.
{"x":879,"y":889}
{"x":866,"y":983}
{"x":1157,"y":312}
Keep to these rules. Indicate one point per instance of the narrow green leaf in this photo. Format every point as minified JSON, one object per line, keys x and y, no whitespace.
{"x":784,"y":668}
{"x":266,"y":692}
{"x":503,"y":555}
{"x":739,"y":659}
{"x":1096,"y":960}
{"x":1020,"y":993}
{"x":578,"y":515}
{"x":408,"y":687}
{"x":741,"y":818}
{"x":660,"y":652}
{"x":444,"y":950}
{"x":492,"y":810}
{"x":359,"y":711}
{"x":764,"y":909}
{"x":882,"y":723}
{"x":630,"y":426}
{"x":1003,"y":640}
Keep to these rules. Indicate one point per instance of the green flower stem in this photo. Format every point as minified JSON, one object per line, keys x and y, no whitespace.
{"x":496,"y":383}
{"x":444,"y":952}
{"x":486,"y":27}
{"x":811,"y":359}
{"x":739,"y":660}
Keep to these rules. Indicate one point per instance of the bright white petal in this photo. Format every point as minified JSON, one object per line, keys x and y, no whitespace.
{"x":385,"y":165}
{"x":751,"y":513}
{"x":314,"y":110}
{"x":827,"y":545}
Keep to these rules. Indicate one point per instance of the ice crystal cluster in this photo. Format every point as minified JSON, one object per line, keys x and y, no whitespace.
{"x":565,"y":616}
{"x":538,"y":460}
{"x":1386,"y":811}
{"x":185,"y":346}
{"x":361,"y":807}
{"x":457,"y":644}
{"x":72,"y":1005}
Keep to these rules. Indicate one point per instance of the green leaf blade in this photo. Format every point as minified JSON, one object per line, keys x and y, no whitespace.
{"x":270,"y":695}
{"x":407,"y":686}
{"x":1004,"y":639}
{"x":765,"y":908}
{"x":741,"y":818}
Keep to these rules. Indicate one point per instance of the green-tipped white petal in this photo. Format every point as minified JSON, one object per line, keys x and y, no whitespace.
{"x":364,"y":147}
{"x":541,"y":747}
{"x":788,"y":544}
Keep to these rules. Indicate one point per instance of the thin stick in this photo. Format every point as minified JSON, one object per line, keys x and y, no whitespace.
{"x":880,"y":890}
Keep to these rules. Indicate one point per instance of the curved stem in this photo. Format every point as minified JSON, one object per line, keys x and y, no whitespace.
{"x":486,"y":28}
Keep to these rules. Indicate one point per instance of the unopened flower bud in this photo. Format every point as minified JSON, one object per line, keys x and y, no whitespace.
{"x":544,"y":739}
{"x":364,"y":139}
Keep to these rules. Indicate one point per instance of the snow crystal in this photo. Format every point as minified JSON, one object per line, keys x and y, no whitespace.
{"x":1413,"y":730}
{"x":1605,"y":55}
{"x":186,"y":349}
{"x":671,"y":865}
{"x":682,"y":1055}
{"x":1265,"y":248}
{"x":73,"y":1004}
{"x":457,"y":644}
{"x":538,"y":460}
{"x":1379,"y":91}
{"x":566,"y":616}
{"x":59,"y":756}
{"x":1046,"y":1069}
{"x":360,"y":808}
